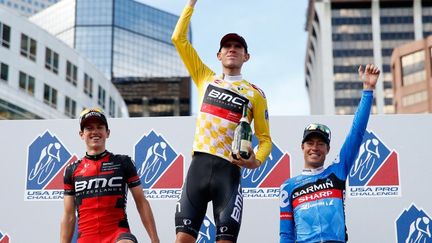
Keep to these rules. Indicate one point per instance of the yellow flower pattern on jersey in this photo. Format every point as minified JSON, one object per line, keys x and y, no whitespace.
{"x":220,"y":102}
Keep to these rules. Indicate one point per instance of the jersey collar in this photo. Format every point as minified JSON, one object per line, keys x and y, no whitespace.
{"x":307,"y":171}
{"x":96,"y":156}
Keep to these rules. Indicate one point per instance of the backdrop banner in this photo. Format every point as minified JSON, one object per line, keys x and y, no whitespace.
{"x":388,"y":194}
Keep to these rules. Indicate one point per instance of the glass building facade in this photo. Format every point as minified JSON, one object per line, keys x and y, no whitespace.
{"x":362,"y":32}
{"x":123,"y":38}
{"x":27,"y":7}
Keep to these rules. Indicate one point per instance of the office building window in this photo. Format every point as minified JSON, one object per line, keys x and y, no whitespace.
{"x":71,"y":73}
{"x":51,"y":60}
{"x":413,"y":68}
{"x":70,"y":107}
{"x":28,"y":47}
{"x":101,"y":97}
{"x":5,"y":35}
{"x":4,"y":72}
{"x":26,"y":83}
{"x":112,"y":107}
{"x":415,"y":98}
{"x":50,"y":96}
{"x":88,"y":85}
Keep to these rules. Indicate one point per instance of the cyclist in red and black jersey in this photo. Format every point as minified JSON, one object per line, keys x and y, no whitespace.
{"x":97,"y":185}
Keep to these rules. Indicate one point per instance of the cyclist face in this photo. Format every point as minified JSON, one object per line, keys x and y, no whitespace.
{"x":94,"y":135}
{"x":315,"y":151}
{"x":232,"y":55}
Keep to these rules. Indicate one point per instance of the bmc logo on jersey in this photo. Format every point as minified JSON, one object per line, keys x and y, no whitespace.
{"x":264,"y":181}
{"x":207,"y":233}
{"x":47,"y":159}
{"x":159,"y":167}
{"x":375,"y":172}
{"x":4,"y":238}
{"x":414,"y":226}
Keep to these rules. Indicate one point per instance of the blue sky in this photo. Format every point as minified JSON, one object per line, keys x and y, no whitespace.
{"x":274,"y":31}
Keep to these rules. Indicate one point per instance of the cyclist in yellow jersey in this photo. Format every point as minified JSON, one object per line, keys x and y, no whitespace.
{"x":213,"y":174}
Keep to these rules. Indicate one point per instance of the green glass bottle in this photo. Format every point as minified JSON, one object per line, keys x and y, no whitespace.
{"x":242,"y":140}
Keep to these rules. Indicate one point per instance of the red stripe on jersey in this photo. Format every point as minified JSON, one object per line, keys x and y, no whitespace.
{"x":68,"y":187}
{"x":332,"y":193}
{"x":286,"y":216}
{"x":133,"y":179}
{"x":221,"y":112}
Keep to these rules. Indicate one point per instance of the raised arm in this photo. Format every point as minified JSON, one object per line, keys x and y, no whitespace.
{"x":145,"y":212}
{"x":192,"y":3}
{"x":196,"y":68}
{"x":369,"y":75}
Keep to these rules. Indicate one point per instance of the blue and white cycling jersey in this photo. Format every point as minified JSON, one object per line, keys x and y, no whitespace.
{"x":312,"y":204}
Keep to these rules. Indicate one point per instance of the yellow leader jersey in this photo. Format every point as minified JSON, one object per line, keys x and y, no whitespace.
{"x":221,"y":102}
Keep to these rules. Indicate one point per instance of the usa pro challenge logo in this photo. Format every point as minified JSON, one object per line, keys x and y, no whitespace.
{"x":159,"y":167}
{"x":46,"y":161}
{"x":207,"y":233}
{"x":264,"y":181}
{"x":414,"y":226}
{"x":375,"y":172}
{"x":4,"y":238}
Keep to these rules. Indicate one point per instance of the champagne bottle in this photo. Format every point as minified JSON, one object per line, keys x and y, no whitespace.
{"x":242,"y":140}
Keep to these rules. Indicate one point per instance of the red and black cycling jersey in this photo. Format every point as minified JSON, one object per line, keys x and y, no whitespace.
{"x":100,"y":184}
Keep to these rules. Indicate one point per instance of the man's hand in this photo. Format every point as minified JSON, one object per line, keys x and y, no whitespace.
{"x":369,"y":76}
{"x":250,"y":163}
{"x":192,"y":3}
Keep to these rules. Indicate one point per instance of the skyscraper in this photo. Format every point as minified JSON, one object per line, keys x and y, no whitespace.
{"x":127,"y":40}
{"x":123,"y":38}
{"x":27,"y":7}
{"x":344,"y":34}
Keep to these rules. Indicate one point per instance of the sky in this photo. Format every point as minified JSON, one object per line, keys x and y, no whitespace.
{"x":274,"y":32}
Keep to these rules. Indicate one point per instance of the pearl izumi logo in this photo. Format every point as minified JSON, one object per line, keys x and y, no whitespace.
{"x":4,"y":238}
{"x":264,"y":181}
{"x":375,"y":172}
{"x":414,"y":226}
{"x":159,"y":167}
{"x":47,"y":159}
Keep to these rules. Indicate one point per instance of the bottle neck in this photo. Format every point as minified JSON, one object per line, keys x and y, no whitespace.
{"x":244,"y":119}
{"x":244,"y":111}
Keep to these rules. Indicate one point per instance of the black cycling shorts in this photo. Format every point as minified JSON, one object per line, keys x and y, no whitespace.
{"x":127,"y":236}
{"x":211,"y":178}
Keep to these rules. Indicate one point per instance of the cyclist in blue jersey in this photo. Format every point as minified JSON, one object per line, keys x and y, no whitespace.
{"x":312,"y":204}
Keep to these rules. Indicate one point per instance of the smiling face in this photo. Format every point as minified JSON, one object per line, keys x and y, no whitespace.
{"x":94,"y":134}
{"x":232,"y":56}
{"x":315,"y":150}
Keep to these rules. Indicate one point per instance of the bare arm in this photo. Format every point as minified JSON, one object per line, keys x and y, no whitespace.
{"x":67,"y":225}
{"x":192,"y":3}
{"x":145,"y":213}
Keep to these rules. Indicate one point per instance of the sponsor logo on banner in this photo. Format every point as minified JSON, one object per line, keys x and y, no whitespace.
{"x":4,"y":238}
{"x":375,"y":172}
{"x":47,"y":159}
{"x":207,"y":233}
{"x":264,"y":182}
{"x":159,"y":167}
{"x":414,"y":226}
